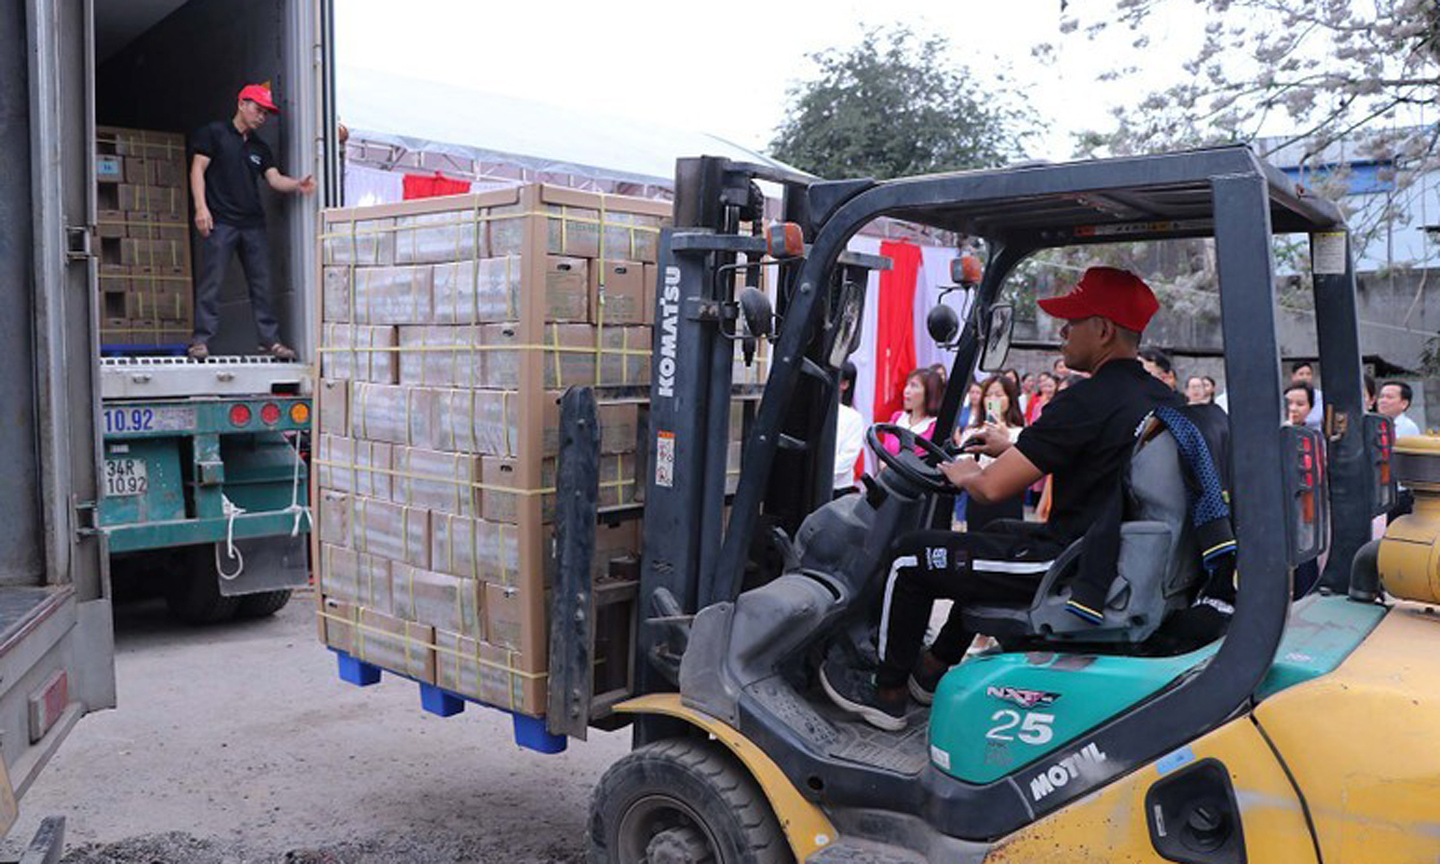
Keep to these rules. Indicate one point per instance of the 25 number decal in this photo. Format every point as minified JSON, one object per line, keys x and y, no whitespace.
{"x":1035,"y":727}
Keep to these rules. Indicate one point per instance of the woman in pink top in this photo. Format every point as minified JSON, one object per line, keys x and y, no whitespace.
{"x":921,"y":401}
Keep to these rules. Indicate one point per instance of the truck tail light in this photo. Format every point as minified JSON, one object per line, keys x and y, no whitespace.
{"x":239,"y":414}
{"x":270,"y":413}
{"x":300,"y":413}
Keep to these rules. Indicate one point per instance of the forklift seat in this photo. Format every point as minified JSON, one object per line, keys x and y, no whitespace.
{"x":1158,"y":569}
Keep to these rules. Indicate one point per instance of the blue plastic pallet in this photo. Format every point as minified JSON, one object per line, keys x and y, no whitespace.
{"x":530,"y":732}
{"x":143,"y":350}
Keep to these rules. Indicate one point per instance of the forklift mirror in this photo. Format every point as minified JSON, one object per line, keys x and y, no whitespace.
{"x":847,"y":328}
{"x":998,"y":327}
{"x":943,"y":324}
{"x":755,"y":309}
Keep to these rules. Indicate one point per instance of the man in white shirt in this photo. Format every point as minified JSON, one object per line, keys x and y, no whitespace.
{"x":1393,"y":402}
{"x":849,"y":432}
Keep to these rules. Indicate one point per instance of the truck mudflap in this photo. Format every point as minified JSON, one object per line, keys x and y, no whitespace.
{"x":262,"y":564}
{"x":46,"y":846}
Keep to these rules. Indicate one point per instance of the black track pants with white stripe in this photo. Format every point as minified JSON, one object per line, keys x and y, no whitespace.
{"x":1002,"y":565}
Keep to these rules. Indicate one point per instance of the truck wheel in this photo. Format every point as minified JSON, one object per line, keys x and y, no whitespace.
{"x":193,"y":590}
{"x":682,"y":802}
{"x":263,"y":604}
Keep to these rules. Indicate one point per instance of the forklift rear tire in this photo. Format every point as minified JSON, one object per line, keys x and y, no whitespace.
{"x":193,"y":590}
{"x":263,"y":604}
{"x":683,"y":801}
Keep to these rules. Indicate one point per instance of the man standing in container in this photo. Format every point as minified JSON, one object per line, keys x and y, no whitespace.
{"x":228,"y":159}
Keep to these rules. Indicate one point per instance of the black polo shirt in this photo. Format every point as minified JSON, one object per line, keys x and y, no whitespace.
{"x":236,"y":162}
{"x":1084,"y":437}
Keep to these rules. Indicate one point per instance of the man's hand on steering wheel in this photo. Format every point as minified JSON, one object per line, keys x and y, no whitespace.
{"x":960,"y":470}
{"x":989,"y":440}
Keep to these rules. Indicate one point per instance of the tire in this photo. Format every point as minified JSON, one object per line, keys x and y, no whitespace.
{"x":263,"y":604}
{"x":683,"y":801}
{"x":192,"y":592}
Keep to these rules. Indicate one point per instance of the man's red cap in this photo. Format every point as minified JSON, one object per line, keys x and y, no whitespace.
{"x":1106,"y":292}
{"x":260,"y":95}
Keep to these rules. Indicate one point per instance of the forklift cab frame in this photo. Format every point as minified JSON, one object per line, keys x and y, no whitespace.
{"x":694,"y":558}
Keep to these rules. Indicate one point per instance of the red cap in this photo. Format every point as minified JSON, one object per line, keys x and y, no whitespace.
{"x":1106,"y":292}
{"x":260,"y":95}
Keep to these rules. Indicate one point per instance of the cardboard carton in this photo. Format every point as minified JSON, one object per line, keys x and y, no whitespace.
{"x":617,"y":292}
{"x":359,"y":352}
{"x":443,"y":482}
{"x":357,"y":578}
{"x":439,"y":600}
{"x":332,"y":406}
{"x":474,"y":548}
{"x":390,"y":530}
{"x":374,"y":637}
{"x":360,"y":467}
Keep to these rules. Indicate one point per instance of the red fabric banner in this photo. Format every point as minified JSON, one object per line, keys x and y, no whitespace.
{"x":427,"y":186}
{"x":895,"y":327}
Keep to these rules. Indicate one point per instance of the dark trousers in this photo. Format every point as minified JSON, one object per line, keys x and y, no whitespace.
{"x":254,"y":249}
{"x":1003,"y":565}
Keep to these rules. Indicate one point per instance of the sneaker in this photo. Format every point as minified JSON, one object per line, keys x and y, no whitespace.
{"x":197,"y":351}
{"x":280,"y":351}
{"x":924,"y":678}
{"x":855,"y":692}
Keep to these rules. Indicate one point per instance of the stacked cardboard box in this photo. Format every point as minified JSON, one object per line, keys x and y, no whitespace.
{"x":449,"y":328}
{"x":143,"y":235}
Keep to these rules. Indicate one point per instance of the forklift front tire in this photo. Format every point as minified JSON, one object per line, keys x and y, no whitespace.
{"x":684,"y":801}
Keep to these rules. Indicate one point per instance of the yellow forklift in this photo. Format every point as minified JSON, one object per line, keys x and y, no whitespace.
{"x":1309,"y":733}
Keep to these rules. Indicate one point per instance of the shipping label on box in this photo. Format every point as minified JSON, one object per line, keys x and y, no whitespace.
{"x":332,"y":407}
{"x":477,"y":421}
{"x":392,"y":295}
{"x":439,"y":481}
{"x":390,"y":530}
{"x":619,"y":425}
{"x":434,"y":238}
{"x":359,"y":467}
{"x":477,"y":292}
{"x":364,"y":242}
{"x":394,"y":413}
{"x":356,"y":577}
{"x":442,"y":356}
{"x":109,"y":169}
{"x":474,"y":548}
{"x":617,"y":292}
{"x":361,"y":352}
{"x":442,"y":601}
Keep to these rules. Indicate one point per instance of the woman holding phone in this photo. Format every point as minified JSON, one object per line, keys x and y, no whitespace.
{"x":1000,"y":400}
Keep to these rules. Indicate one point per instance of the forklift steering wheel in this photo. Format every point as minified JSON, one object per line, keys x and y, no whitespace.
{"x":921,"y":469}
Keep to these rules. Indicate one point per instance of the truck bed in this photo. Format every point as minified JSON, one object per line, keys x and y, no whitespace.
{"x":181,"y":377}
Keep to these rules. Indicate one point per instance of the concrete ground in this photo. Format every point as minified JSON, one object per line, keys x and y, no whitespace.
{"x":238,"y":743}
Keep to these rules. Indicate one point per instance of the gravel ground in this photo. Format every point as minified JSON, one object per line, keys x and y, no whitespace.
{"x":238,"y":743}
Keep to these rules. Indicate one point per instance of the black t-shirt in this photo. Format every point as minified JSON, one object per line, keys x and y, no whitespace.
{"x":1084,"y":438}
{"x":236,"y":162}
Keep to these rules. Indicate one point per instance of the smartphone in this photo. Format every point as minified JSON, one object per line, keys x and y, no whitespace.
{"x":992,"y":411}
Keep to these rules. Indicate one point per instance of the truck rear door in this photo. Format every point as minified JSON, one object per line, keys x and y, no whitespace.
{"x":56,"y":636}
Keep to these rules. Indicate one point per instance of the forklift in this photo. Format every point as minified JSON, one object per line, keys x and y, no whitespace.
{"x":1308,"y":733}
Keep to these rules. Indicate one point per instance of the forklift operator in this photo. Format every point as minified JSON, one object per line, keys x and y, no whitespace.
{"x":1083,"y":439}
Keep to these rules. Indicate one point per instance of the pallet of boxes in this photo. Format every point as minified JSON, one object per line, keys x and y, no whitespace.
{"x":143,"y":238}
{"x":450,"y":327}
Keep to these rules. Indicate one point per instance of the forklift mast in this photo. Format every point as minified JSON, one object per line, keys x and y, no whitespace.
{"x":689,"y":562}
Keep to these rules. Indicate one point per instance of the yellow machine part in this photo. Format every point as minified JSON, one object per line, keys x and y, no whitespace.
{"x":1110,"y":825}
{"x":805,"y":825}
{"x":1410,"y":553}
{"x":1364,"y":744}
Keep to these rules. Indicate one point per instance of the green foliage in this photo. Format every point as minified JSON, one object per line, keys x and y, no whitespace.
{"x":895,"y":104}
